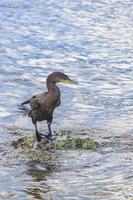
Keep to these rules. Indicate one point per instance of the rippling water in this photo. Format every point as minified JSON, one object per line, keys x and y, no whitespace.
{"x":92,"y":42}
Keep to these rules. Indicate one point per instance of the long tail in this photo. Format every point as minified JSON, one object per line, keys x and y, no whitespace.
{"x":25,"y":102}
{"x":23,"y":109}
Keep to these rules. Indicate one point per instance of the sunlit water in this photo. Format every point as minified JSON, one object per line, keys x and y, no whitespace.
{"x":92,"y":42}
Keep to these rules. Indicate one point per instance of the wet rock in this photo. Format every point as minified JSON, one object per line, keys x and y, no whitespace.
{"x":63,"y":142}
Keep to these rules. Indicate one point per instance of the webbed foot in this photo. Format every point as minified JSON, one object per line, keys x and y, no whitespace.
{"x":47,"y":136}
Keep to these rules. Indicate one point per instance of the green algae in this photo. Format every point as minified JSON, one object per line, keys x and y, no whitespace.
{"x":64,"y":143}
{"x":26,"y":142}
{"x":25,"y":146}
{"x":75,"y":143}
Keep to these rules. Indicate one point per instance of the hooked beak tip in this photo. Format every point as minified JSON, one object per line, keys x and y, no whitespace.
{"x":73,"y":82}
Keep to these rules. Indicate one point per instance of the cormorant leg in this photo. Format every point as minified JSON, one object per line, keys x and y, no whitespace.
{"x":37,"y":145}
{"x":38,"y":136}
{"x":47,"y":136}
{"x":49,"y":129}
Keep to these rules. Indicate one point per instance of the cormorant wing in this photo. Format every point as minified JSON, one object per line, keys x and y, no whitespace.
{"x":37,"y":100}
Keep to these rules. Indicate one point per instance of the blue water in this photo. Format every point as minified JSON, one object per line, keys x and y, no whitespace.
{"x":91,"y":41}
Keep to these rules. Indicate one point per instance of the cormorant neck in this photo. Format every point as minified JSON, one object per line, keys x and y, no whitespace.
{"x":51,"y":85}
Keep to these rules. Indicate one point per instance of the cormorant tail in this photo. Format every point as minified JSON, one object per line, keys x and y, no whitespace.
{"x":25,"y":102}
{"x":23,"y":109}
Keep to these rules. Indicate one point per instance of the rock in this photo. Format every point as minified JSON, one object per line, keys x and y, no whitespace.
{"x":63,"y":142}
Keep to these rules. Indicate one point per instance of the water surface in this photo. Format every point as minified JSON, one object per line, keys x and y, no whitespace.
{"x":91,"y":41}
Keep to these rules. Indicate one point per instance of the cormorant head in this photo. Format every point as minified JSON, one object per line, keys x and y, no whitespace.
{"x":57,"y":77}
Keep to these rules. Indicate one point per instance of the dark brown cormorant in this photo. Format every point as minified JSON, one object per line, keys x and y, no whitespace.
{"x":43,"y":105}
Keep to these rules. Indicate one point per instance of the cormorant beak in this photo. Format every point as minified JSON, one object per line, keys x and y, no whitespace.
{"x":68,"y":81}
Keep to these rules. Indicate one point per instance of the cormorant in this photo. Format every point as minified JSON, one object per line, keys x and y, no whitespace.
{"x":43,"y":105}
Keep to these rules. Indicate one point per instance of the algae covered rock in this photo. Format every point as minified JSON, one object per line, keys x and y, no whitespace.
{"x":74,"y":143}
{"x":64,"y":142}
{"x":25,"y":145}
{"x":26,"y":142}
{"x":50,"y":151}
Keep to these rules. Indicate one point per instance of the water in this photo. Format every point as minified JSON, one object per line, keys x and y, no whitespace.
{"x":91,"y":41}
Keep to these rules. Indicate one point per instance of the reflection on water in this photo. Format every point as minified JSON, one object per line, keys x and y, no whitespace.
{"x":91,"y":41}
{"x":39,"y":172}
